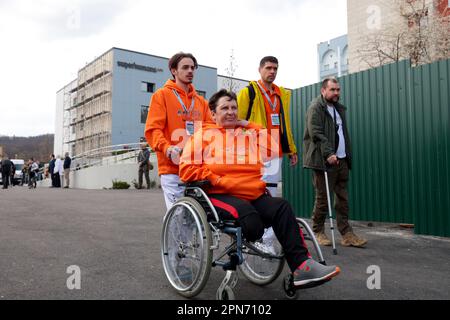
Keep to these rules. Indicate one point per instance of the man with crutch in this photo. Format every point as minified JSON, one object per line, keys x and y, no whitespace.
{"x":326,"y":150}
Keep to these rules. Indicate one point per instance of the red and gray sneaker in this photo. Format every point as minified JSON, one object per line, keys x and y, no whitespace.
{"x":311,"y":272}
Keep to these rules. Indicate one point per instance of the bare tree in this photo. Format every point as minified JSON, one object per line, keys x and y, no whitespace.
{"x":230,"y":84}
{"x":421,"y":34}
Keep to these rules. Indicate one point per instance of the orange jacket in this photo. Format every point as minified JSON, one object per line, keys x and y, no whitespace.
{"x":166,"y":122}
{"x":231,"y":166}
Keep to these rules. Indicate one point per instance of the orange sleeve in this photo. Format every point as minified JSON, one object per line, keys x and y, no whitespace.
{"x":156,"y":122}
{"x":192,"y":167}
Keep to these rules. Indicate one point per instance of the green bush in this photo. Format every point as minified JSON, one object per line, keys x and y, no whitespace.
{"x":136,"y":184}
{"x":120,"y":185}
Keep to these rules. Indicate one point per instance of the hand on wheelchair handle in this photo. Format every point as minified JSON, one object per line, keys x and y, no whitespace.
{"x":173,"y":152}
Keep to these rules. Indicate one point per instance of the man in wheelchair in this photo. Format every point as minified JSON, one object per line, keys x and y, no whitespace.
{"x":230,"y":155}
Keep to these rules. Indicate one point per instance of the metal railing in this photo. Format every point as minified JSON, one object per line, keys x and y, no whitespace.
{"x":109,"y":155}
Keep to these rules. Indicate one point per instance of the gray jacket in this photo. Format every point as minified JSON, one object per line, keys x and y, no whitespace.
{"x":319,"y":136}
{"x":144,"y":157}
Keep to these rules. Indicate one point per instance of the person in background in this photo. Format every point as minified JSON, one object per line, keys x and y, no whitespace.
{"x":66,"y":167}
{"x":51,"y":169}
{"x":6,"y":171}
{"x":33,"y":170}
{"x":144,"y":165}
{"x":326,"y":145}
{"x":58,"y":171}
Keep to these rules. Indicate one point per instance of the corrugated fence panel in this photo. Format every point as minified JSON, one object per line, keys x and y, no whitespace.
{"x":431,"y":121}
{"x":299,"y":191}
{"x":399,"y":125}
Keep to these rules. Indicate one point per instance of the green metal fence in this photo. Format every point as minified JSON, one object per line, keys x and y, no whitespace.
{"x":399,"y":120}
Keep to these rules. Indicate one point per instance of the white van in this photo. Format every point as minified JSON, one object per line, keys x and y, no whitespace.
{"x":18,"y":175}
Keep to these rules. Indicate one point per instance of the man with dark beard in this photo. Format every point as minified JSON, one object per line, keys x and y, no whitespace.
{"x":326,"y":146}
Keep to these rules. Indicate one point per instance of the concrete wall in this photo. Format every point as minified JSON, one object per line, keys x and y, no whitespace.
{"x":376,"y":21}
{"x":102,"y":176}
{"x":99,"y":177}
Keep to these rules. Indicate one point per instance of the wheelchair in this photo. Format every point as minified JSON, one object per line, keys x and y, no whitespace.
{"x":191,"y":234}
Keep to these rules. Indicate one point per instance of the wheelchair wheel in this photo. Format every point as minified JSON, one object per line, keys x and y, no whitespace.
{"x":261,"y":270}
{"x":186,"y":247}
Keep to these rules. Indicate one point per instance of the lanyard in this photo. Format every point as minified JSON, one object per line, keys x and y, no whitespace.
{"x":272,"y":105}
{"x":182,"y":103}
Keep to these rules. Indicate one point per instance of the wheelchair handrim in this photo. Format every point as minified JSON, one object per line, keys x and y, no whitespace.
{"x":165,"y":251}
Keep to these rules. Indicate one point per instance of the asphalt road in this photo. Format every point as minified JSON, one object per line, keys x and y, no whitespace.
{"x":114,"y":238}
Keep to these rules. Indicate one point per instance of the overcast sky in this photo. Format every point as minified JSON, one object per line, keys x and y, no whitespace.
{"x":44,"y":43}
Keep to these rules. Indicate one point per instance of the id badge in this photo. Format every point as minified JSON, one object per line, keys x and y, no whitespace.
{"x":275,"y":119}
{"x":190,"y":128}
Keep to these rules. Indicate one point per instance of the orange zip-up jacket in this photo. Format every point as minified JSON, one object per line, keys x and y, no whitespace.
{"x":232,"y":166}
{"x":166,"y":121}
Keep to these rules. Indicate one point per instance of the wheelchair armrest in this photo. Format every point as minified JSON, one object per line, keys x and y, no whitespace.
{"x":193,"y":184}
{"x":271,"y":185}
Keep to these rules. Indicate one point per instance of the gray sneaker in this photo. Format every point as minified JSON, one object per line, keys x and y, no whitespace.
{"x":311,"y":271}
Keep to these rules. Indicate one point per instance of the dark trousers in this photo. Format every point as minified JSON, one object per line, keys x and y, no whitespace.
{"x":5,"y":179}
{"x":56,"y":181}
{"x":337,"y":182}
{"x":52,"y":176}
{"x":266,"y":212}
{"x":144,"y":170}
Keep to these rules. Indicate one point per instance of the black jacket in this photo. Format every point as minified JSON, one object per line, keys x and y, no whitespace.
{"x":51,"y":166}
{"x":67,"y":162}
{"x":7,"y":166}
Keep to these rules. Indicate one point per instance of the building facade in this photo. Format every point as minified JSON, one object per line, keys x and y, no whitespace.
{"x":108,"y":103}
{"x":333,"y":57}
{"x":386,"y":31}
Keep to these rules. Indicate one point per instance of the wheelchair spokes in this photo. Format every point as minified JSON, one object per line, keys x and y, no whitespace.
{"x":186,"y":246}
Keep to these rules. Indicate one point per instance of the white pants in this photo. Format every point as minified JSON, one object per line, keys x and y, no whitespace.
{"x":172,"y":191}
{"x":272,"y":174}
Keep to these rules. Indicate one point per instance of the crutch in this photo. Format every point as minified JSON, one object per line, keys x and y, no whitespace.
{"x":330,"y":213}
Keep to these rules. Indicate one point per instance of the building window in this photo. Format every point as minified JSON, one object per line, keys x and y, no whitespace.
{"x":201,"y":93}
{"x":326,"y":67}
{"x":144,"y":113}
{"x":147,"y":87}
{"x":335,"y":65}
{"x":73,"y":129}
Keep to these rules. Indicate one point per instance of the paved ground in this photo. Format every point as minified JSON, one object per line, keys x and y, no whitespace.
{"x":114,"y":236}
